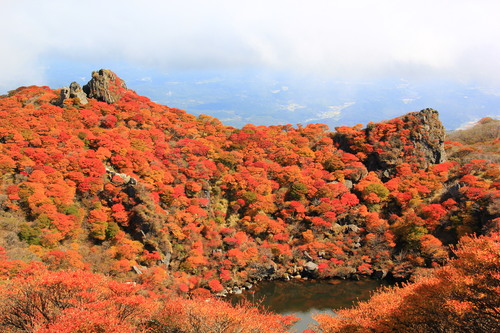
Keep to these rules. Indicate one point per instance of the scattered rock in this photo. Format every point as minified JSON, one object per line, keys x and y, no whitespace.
{"x":310,"y":267}
{"x":222,"y":293}
{"x":352,"y":227}
{"x":137,"y":270}
{"x":379,"y":274}
{"x":272,"y":268}
{"x":307,"y":256}
{"x":124,"y":178}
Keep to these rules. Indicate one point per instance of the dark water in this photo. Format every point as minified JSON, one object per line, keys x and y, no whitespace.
{"x":307,"y":298}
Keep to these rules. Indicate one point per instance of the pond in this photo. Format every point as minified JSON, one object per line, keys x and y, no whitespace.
{"x":304,"y":299}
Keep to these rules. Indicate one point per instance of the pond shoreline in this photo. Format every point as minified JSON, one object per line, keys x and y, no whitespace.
{"x":376,"y":276}
{"x":304,"y":298}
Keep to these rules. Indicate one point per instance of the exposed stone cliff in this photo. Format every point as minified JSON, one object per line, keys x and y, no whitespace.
{"x":105,"y":86}
{"x":417,"y":137}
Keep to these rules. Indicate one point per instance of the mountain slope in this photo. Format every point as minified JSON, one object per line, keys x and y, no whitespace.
{"x":106,"y":180}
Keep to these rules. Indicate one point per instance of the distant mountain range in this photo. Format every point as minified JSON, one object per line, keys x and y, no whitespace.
{"x":240,"y":97}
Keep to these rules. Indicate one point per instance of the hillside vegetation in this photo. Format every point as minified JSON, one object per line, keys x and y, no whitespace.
{"x":154,"y":204}
{"x":481,"y":141}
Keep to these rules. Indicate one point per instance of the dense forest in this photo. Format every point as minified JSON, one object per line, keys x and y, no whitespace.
{"x":120,"y":214}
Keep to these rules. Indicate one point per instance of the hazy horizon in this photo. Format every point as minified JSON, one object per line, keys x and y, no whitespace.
{"x":333,"y":62}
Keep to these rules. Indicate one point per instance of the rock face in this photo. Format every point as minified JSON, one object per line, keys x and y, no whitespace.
{"x":105,"y":86}
{"x":417,"y":137}
{"x":429,"y":137}
{"x":74,"y":90}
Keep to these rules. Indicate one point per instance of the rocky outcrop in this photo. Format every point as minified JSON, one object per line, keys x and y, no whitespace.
{"x":429,"y":137}
{"x":73,"y":91}
{"x":417,"y":137}
{"x":105,"y":86}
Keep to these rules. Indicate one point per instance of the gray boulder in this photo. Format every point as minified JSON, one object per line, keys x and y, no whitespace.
{"x":75,"y":90}
{"x":310,"y":267}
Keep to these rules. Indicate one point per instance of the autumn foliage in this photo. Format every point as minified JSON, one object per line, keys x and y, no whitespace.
{"x":77,"y":301}
{"x":463,"y":296}
{"x":152,"y":195}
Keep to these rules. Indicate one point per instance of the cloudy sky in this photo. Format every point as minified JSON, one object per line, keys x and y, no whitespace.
{"x":264,"y":49}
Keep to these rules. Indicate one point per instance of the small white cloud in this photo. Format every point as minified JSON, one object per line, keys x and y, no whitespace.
{"x":284,"y":88}
{"x":275,"y":91}
{"x":407,"y":100}
{"x":145,"y":79}
{"x":292,"y":107}
{"x":334,"y":112}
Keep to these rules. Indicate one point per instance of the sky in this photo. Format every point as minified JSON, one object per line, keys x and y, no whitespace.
{"x":268,"y":62}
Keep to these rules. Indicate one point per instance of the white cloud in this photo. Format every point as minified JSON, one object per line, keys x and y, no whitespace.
{"x":292,"y":107}
{"x":361,"y":39}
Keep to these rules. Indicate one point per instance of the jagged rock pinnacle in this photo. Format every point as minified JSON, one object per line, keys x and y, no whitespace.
{"x":74,"y":90}
{"x":431,"y":136}
{"x":105,"y":86}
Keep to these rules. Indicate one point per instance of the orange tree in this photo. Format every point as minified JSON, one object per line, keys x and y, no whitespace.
{"x":463,"y":296}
